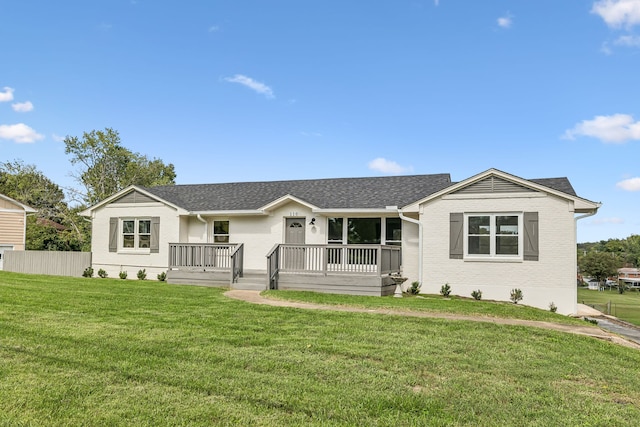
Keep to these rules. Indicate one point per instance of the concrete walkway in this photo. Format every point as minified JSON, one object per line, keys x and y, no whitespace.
{"x":254,"y":297}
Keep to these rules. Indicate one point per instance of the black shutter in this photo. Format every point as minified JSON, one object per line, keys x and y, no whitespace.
{"x":531,"y":248}
{"x":155,"y":234}
{"x":456,"y":235}
{"x":113,"y":234}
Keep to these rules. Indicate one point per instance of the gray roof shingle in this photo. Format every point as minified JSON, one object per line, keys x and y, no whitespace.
{"x":332,"y":193}
{"x":338,"y":193}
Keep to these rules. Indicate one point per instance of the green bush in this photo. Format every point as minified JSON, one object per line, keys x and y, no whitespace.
{"x":142,"y":274}
{"x":477,"y":295}
{"x":445,"y":290}
{"x":414,"y":289}
{"x":516,"y":295}
{"x":102,"y":274}
{"x":88,"y":272}
{"x":162,"y":276}
{"x":123,"y":275}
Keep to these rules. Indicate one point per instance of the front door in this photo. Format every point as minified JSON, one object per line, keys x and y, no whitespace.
{"x":2,"y":250}
{"x":295,"y":231}
{"x":294,"y":257}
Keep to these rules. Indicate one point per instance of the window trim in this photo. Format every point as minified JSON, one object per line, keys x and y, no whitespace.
{"x":345,"y":230}
{"x":214,"y":235}
{"x":492,"y":256}
{"x":136,"y":233}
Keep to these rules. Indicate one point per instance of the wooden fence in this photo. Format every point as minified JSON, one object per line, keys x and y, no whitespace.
{"x":53,"y":263}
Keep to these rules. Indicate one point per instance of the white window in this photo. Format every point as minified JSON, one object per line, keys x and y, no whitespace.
{"x":493,"y":235}
{"x":136,"y":233}
{"x":359,"y":231}
{"x":221,"y":231}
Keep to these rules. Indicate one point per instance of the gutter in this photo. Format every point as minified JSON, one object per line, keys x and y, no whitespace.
{"x":206,"y":227}
{"x":419,"y":224}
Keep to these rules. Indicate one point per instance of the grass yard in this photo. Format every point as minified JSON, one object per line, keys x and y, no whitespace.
{"x":111,"y":352}
{"x":624,"y":306}
{"x":430,"y":303}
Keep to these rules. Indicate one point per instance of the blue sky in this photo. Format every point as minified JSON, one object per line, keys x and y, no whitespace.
{"x":293,"y":89}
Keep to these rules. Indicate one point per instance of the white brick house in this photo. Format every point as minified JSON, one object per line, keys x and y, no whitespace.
{"x":491,"y":232}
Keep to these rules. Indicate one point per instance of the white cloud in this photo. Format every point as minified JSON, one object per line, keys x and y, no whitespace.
{"x":259,"y":87}
{"x":214,"y":29}
{"x":606,"y":49}
{"x":7,"y":94}
{"x":386,"y":166}
{"x":618,"y":13}
{"x":437,"y":2}
{"x":22,"y":107}
{"x":631,"y":184}
{"x":631,"y":41}
{"x":505,"y":21}
{"x":612,"y":220}
{"x":19,"y":133}
{"x":617,"y":129}
{"x":57,"y":138}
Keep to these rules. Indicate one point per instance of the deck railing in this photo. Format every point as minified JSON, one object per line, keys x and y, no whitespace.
{"x":201,"y":256}
{"x":237,"y":262}
{"x":332,"y":259}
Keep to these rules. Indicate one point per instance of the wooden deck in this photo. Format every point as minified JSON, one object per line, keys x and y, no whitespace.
{"x":341,"y":269}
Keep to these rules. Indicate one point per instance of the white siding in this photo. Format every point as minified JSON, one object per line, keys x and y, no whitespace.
{"x":551,"y":279}
{"x":260,"y":233}
{"x":114,"y":262}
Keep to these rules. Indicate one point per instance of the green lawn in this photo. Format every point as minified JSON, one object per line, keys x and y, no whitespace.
{"x":624,"y":306}
{"x":430,"y":303}
{"x":110,"y":352}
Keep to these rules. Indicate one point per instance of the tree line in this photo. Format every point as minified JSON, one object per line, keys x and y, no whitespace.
{"x":104,"y":166}
{"x":602,"y":259}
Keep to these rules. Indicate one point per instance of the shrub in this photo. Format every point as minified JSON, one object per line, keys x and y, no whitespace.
{"x":477,"y":295}
{"x":88,"y":272}
{"x":162,"y":276}
{"x":123,"y":275}
{"x":622,"y":287}
{"x":445,"y":290}
{"x":516,"y":295}
{"x":102,"y":274}
{"x":142,"y":274}
{"x":552,"y":307}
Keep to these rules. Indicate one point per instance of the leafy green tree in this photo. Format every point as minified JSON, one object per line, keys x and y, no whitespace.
{"x":28,"y":185}
{"x":600,"y":265}
{"x":107,"y":167}
{"x":54,"y":226}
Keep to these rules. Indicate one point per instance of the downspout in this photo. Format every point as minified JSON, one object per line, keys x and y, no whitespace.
{"x":206,"y":227}
{"x":576,"y":229}
{"x":419,"y":224}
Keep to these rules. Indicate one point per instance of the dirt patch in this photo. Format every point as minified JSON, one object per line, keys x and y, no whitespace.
{"x":254,"y":297}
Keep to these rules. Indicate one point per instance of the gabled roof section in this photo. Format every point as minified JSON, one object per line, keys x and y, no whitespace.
{"x":496,"y":181}
{"x":131,"y":194}
{"x":333,"y":193}
{"x":26,"y":208}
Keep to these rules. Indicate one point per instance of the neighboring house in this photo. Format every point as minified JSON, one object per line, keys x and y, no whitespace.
{"x":630,"y":276}
{"x":493,"y":232}
{"x":13,"y":223}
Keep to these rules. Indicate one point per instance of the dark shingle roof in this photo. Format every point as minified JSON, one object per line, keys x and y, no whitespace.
{"x":335,"y":193}
{"x":559,"y":184}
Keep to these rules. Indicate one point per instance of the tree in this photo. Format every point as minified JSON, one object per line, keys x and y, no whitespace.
{"x":600,"y":265}
{"x":107,"y":167}
{"x":54,"y":226}
{"x":28,"y":185}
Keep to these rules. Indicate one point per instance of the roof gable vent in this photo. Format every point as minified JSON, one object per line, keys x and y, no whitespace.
{"x":493,"y":184}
